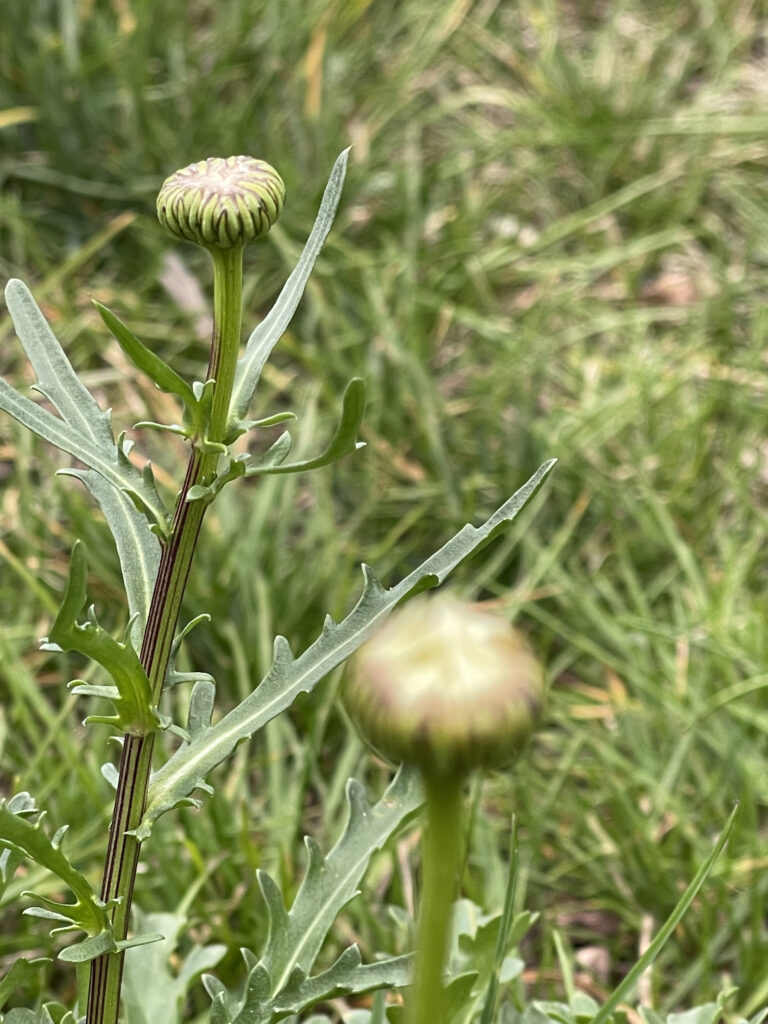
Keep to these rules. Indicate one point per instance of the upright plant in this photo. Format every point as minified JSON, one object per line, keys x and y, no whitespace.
{"x":220,"y":204}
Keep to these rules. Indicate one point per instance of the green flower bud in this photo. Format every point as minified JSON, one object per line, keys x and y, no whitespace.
{"x":221,"y":203}
{"x":446,"y":686}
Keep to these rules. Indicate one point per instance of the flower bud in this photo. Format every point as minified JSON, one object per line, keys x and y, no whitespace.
{"x":446,"y":686}
{"x":221,"y":203}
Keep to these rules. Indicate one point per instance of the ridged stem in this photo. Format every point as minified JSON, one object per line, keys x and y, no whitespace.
{"x":440,"y":859}
{"x":136,"y":762}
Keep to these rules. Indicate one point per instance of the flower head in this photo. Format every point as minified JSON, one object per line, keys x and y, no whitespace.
{"x":446,"y":686}
{"x":221,"y":202}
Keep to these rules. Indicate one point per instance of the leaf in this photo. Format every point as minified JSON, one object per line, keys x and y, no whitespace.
{"x":342,"y":443}
{"x":132,"y":693}
{"x":457,"y":994}
{"x":347,"y":976}
{"x":268,"y":421}
{"x":137,"y":547}
{"x":344,"y":440}
{"x":148,"y":361}
{"x":163,"y":376}
{"x":82,"y":429}
{"x":289,"y":676}
{"x":279,"y":983}
{"x":152,"y":991}
{"x":50,"y":1013}
{"x":28,"y":840}
{"x":12,"y":857}
{"x":270,"y":330}
{"x":173,"y":677}
{"x":478,"y":954}
{"x":296,"y":936}
{"x":17,"y":976}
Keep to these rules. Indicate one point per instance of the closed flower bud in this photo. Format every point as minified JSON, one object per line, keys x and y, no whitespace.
{"x":446,"y":686}
{"x":221,"y":203}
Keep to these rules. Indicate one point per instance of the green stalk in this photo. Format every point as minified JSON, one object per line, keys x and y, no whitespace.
{"x":441,"y":858}
{"x":136,"y":762}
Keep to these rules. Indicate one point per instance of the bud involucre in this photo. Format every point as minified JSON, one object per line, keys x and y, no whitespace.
{"x":221,"y":202}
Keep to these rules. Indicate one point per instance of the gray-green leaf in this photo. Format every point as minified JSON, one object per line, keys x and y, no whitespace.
{"x":270,"y":330}
{"x":27,"y":839}
{"x":82,"y":429}
{"x":279,"y":983}
{"x":152,"y":990}
{"x":131,"y":694}
{"x":289,"y":676}
{"x":296,"y":936}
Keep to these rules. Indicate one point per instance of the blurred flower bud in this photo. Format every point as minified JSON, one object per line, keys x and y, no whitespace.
{"x":446,"y":686}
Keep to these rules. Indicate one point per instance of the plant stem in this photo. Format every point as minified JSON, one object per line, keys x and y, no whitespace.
{"x":441,"y":857}
{"x":136,"y":762}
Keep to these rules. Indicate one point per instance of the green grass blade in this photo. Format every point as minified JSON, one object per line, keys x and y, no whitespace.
{"x":666,"y":930}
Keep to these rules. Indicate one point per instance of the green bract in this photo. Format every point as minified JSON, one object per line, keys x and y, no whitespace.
{"x":221,"y":202}
{"x":446,"y":686}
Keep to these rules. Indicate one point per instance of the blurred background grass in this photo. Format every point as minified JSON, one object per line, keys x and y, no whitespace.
{"x":552,"y":241}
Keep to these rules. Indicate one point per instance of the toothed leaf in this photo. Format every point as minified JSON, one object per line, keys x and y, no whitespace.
{"x":279,"y":983}
{"x":348,"y":976}
{"x":26,"y":839}
{"x":295,"y":937}
{"x":131,"y":695}
{"x":289,"y":676}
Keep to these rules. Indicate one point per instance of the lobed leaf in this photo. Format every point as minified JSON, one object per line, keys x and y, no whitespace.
{"x":288,"y":677}
{"x":132,"y":694}
{"x":347,"y":976}
{"x":279,"y":983}
{"x":296,"y":936}
{"x":343,"y":442}
{"x":26,"y":839}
